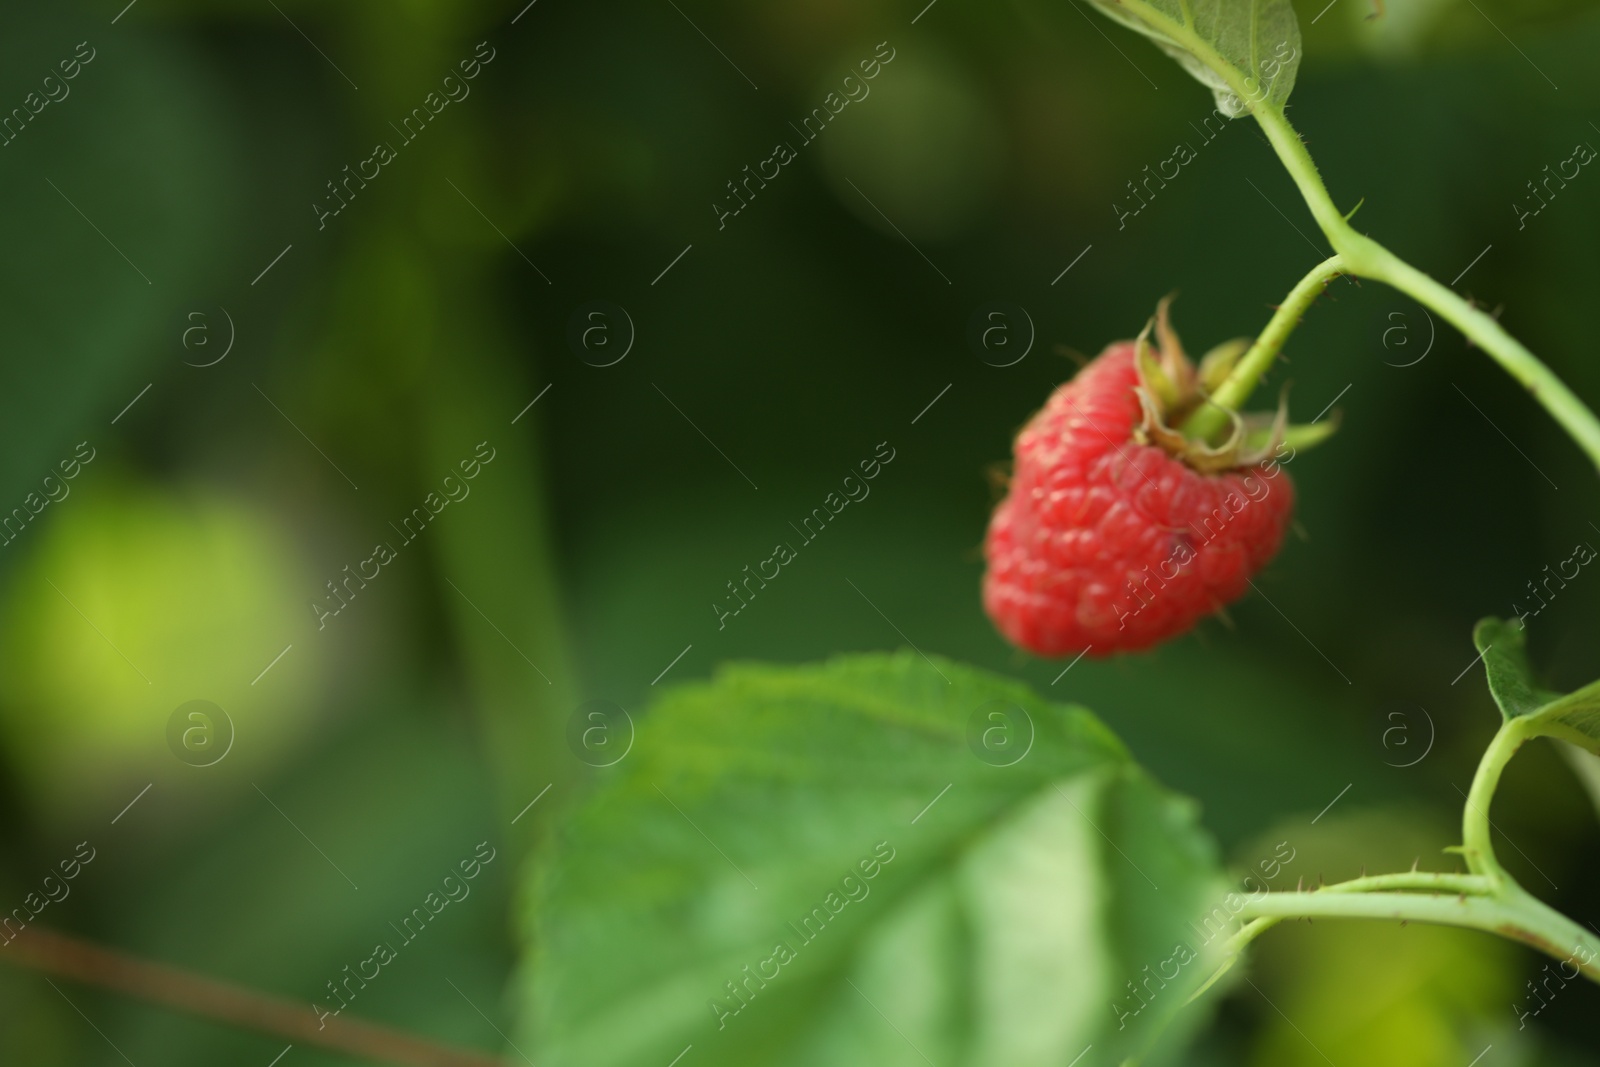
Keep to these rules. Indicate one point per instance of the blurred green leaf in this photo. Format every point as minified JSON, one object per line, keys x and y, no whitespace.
{"x":1574,"y":717}
{"x":1247,"y":54}
{"x":1505,"y":659}
{"x":136,"y":599}
{"x":830,"y":864}
{"x":114,"y":220}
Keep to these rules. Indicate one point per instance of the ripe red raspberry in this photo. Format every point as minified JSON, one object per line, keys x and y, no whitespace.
{"x":1109,"y":542}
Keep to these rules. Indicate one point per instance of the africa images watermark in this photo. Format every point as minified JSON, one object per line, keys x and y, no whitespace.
{"x":33,"y":503}
{"x":1582,"y":155}
{"x":1582,"y":553}
{"x":33,"y":104}
{"x":855,"y":90}
{"x":785,"y":553}
{"x":1581,"y":957}
{"x":1215,"y":922}
{"x":812,"y":924}
{"x":1185,"y":549}
{"x":1184,"y":153}
{"x":33,"y":904}
{"x":384,"y":552}
{"x":383,"y":153}
{"x":415,"y":921}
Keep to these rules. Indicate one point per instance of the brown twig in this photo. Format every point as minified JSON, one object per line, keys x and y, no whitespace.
{"x":157,"y":983}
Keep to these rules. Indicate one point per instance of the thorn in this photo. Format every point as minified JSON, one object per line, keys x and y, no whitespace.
{"x":1320,"y":881}
{"x":1073,"y":354}
{"x":999,"y":477}
{"x":1363,"y":870}
{"x":1405,"y":922}
{"x":1414,"y":864}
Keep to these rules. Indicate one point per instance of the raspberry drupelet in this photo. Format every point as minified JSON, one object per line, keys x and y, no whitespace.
{"x":1116,"y":533}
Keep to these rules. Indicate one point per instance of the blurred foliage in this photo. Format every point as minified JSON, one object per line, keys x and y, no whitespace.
{"x":415,"y":325}
{"x":179,"y":587}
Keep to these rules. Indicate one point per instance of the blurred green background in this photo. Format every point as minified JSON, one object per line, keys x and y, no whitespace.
{"x":387,"y":342}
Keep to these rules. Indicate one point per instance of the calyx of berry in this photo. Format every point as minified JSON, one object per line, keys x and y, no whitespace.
{"x":1171,"y":389}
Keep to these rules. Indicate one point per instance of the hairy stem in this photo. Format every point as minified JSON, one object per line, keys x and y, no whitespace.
{"x":1366,"y":257}
{"x":1487,"y":899}
{"x":69,"y":957}
{"x":1477,"y":845}
{"x":1484,"y":331}
{"x":1257,"y":360}
{"x":1233,"y":947}
{"x":1426,"y":881}
{"x":1510,"y":912}
{"x":1369,"y":259}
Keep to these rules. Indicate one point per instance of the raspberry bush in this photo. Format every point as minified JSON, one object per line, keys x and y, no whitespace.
{"x":1055,"y":879}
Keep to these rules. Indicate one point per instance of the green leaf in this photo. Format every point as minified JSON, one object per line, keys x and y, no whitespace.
{"x":1502,"y":646}
{"x":1246,"y":52}
{"x":1573,"y":717}
{"x":875,"y":860}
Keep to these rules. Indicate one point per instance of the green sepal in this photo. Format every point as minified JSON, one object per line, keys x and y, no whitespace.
{"x":1297,"y":438}
{"x":1152,"y":372}
{"x":1218,"y":363}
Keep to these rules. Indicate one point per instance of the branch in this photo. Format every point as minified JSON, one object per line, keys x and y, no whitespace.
{"x":1257,"y":360}
{"x":55,"y":953}
{"x":1367,"y":258}
{"x":1511,"y":912}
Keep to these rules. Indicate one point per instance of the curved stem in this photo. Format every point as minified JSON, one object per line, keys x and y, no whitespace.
{"x":1285,"y":141}
{"x":1484,"y":331}
{"x":1426,"y":881}
{"x":1367,"y":258}
{"x":1461,"y":884}
{"x":1487,"y":899}
{"x":1511,"y":912}
{"x":1233,"y":947}
{"x":1477,"y":845}
{"x":1257,"y":360}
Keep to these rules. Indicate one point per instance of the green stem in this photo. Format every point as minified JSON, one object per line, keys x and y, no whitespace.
{"x":1292,"y":153}
{"x":1214,"y":417}
{"x":1477,"y":846}
{"x":1484,"y":331}
{"x":1369,"y":259}
{"x":1487,"y":899}
{"x":1426,"y":881}
{"x":1468,"y":884}
{"x":1232,"y":948}
{"x":1509,"y":912}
